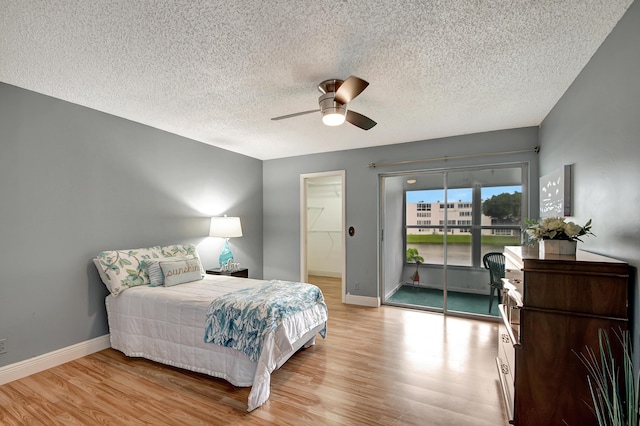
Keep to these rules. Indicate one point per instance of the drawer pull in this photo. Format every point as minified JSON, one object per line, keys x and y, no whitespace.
{"x":505,"y":338}
{"x":507,"y":325}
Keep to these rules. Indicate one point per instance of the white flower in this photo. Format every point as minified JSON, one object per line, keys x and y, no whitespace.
{"x":555,"y":228}
{"x":554,"y":224}
{"x":572,"y":230}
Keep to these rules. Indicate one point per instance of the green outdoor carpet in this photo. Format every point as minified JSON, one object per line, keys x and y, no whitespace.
{"x":460,"y":302}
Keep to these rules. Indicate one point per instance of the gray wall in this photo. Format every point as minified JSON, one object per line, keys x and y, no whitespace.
{"x":74,"y":182}
{"x":596,"y":127}
{"x":282,"y":194}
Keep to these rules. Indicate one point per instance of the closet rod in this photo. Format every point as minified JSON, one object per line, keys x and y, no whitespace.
{"x":455,"y":157}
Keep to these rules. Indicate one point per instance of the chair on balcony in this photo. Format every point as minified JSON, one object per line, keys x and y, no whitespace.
{"x":494,"y":262}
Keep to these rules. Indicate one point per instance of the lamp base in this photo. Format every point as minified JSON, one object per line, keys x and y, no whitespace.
{"x":226,"y":254}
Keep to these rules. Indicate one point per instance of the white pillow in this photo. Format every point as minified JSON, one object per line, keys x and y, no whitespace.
{"x":181,"y":271}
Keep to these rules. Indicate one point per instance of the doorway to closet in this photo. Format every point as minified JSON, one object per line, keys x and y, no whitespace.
{"x":452,"y":218}
{"x":322,"y":223}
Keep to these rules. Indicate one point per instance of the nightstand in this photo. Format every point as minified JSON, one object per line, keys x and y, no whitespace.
{"x":242,"y":272}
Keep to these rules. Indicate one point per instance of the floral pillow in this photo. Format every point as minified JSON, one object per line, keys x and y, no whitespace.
{"x":122,"y":269}
{"x":183,"y":250}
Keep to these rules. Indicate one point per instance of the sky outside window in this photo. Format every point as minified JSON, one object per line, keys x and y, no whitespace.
{"x":464,"y":194}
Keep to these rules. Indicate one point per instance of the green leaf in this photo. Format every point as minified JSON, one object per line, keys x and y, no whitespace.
{"x":414,"y":257}
{"x":124,"y":262}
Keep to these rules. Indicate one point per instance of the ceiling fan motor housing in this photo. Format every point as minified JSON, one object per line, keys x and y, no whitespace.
{"x":329,"y":105}
{"x":333,"y":112}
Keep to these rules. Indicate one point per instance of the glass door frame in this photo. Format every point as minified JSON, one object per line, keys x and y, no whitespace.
{"x":477,"y":227}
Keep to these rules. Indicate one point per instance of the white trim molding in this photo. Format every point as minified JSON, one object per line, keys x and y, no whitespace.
{"x":25,"y":368}
{"x":372,"y":302}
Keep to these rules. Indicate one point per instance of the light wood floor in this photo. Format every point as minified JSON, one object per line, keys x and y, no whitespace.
{"x":378,"y":366}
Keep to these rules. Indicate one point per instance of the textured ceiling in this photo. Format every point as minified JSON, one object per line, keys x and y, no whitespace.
{"x":217,"y":71}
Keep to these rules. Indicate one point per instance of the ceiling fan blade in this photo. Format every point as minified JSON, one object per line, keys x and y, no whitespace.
{"x":282,"y":117}
{"x":359,"y":120}
{"x":351,"y":88}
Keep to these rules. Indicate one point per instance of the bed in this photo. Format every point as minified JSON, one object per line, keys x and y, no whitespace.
{"x":170,"y":323}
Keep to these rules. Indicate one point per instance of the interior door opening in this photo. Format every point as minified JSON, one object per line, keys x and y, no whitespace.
{"x":322,"y":224}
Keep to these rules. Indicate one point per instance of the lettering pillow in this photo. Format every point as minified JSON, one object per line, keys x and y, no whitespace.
{"x":181,"y":271}
{"x":156,"y":278}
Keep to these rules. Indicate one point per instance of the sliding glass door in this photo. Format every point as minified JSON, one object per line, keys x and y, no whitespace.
{"x":452,"y":219}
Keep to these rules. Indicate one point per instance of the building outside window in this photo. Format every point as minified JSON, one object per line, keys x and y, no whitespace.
{"x":486,"y":217}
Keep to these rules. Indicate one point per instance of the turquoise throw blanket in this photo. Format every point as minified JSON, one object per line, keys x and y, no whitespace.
{"x":242,"y":319}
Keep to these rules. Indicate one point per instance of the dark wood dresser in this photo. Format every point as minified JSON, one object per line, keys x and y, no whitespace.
{"x":556,"y":309}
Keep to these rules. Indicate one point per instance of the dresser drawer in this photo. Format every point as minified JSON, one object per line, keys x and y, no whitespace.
{"x":505,"y":363}
{"x":514,"y":274}
{"x":506,"y":351}
{"x":507,"y":386}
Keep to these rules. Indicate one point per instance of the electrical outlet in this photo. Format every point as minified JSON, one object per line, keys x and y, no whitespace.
{"x":3,"y":346}
{"x":357,"y":284}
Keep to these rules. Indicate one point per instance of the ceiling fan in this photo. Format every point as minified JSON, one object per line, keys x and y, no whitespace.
{"x":336,"y":94}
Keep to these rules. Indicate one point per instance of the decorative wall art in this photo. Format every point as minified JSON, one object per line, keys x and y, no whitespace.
{"x":555,"y":193}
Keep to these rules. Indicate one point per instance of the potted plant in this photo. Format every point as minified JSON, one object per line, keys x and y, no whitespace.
{"x":615,"y":389}
{"x":555,"y":236}
{"x":414,"y":257}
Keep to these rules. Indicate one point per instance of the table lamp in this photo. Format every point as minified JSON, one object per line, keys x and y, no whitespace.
{"x":225,"y":227}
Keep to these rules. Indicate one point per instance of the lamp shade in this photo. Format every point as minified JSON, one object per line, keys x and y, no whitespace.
{"x":225,"y":227}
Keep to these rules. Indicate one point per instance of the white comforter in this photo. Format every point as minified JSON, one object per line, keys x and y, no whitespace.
{"x":166,"y":324}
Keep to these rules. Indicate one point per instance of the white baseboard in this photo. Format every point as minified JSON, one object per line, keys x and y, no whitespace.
{"x":25,"y":368}
{"x":373,"y":302}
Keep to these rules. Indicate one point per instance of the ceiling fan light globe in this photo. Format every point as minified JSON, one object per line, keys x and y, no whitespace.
{"x":333,"y":119}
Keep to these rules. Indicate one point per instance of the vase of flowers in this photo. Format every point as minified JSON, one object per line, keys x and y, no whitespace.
{"x":556,"y":236}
